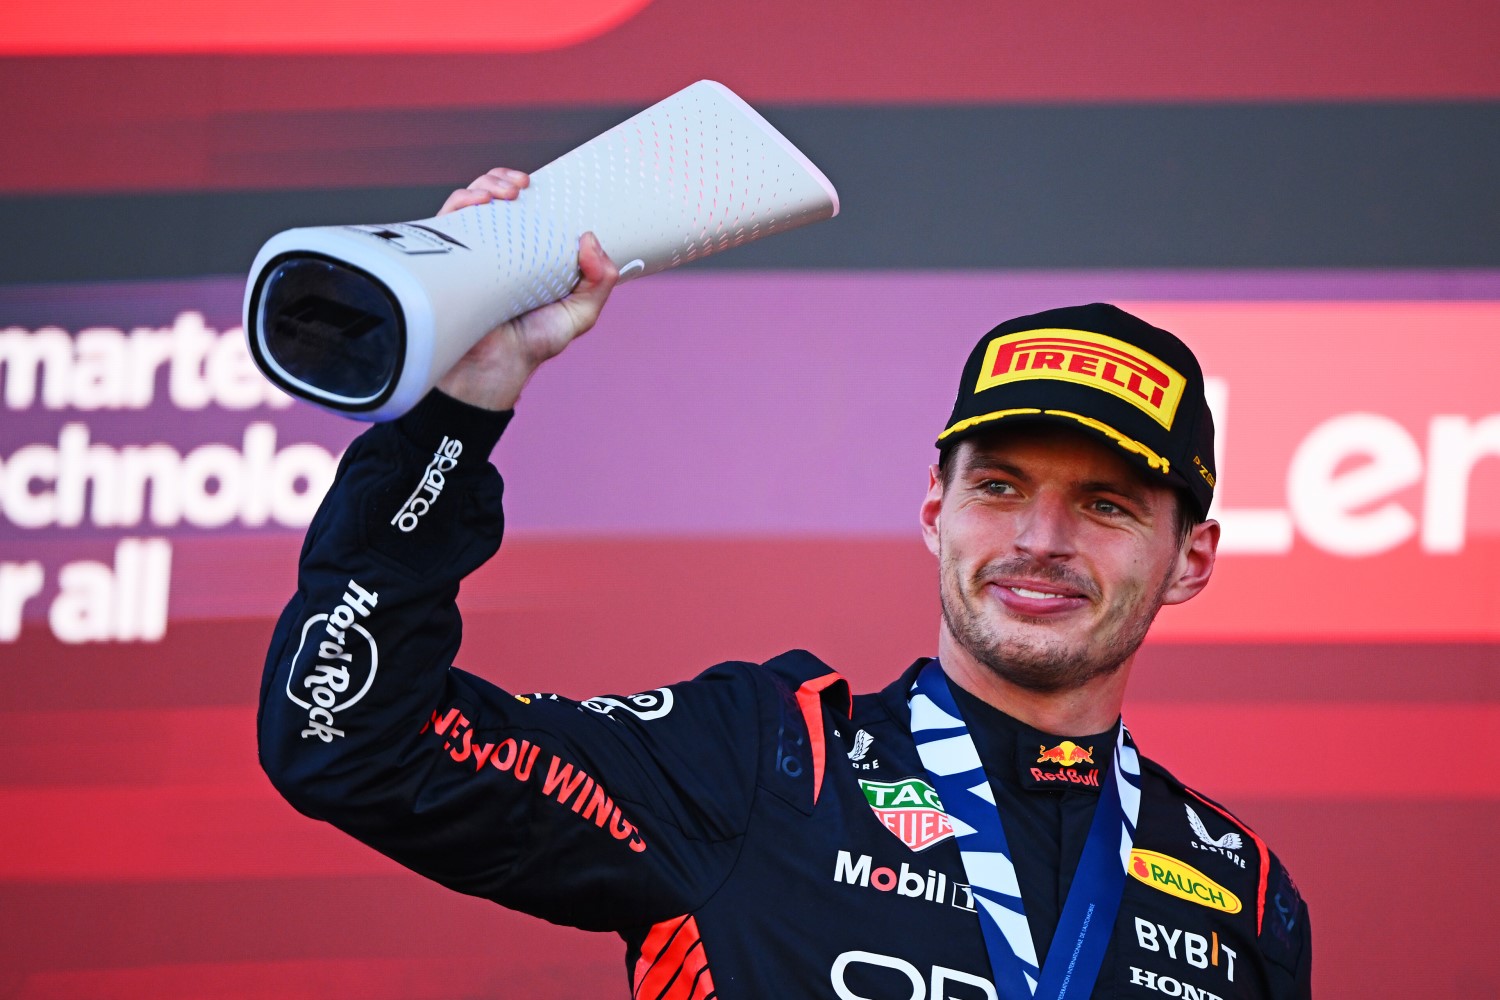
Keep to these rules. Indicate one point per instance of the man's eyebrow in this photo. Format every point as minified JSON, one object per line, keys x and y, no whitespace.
{"x":988,"y":463}
{"x":1129,"y":491}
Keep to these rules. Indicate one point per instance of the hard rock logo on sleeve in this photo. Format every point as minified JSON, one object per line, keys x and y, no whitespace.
{"x":334,"y":665}
{"x":1086,"y":358}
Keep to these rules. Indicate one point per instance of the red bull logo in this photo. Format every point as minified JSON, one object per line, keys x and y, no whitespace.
{"x":1067,"y":753}
{"x":1089,"y":778}
{"x":1086,"y":358}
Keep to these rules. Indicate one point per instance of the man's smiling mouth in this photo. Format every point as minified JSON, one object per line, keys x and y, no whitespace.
{"x":1037,"y":594}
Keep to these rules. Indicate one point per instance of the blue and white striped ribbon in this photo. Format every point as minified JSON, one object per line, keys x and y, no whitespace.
{"x":1087,"y":921}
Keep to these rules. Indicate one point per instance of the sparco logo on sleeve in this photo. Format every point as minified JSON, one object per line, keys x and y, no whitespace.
{"x":340,"y":666}
{"x":430,"y":486}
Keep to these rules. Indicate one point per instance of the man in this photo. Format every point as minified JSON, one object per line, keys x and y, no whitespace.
{"x":983,"y":827}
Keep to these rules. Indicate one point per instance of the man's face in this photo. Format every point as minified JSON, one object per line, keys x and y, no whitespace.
{"x":1055,"y":554}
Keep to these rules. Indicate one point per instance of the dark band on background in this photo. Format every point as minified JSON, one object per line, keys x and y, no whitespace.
{"x":1408,"y":185}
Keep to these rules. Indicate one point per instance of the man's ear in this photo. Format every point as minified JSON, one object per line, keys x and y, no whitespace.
{"x":932,"y":506}
{"x":1195,"y":563}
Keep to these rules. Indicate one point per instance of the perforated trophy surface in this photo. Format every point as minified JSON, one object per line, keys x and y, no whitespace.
{"x":364,"y":319}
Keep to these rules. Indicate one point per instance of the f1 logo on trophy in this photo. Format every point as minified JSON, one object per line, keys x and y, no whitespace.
{"x":363,"y":320}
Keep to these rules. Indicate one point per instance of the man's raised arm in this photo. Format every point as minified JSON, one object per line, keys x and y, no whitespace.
{"x":365,"y":723}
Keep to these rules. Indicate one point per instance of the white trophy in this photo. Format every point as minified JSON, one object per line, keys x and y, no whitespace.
{"x":364,"y":320}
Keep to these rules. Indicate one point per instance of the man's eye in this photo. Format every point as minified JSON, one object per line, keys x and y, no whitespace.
{"x":997,"y":487}
{"x":1107,"y":507}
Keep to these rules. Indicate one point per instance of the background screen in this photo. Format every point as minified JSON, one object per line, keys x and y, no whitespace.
{"x":731,"y":464}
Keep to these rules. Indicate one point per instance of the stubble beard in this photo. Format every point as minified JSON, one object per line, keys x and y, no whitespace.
{"x":1046,"y":664}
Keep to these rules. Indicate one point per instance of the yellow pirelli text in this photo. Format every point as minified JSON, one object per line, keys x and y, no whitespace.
{"x":1086,"y":358}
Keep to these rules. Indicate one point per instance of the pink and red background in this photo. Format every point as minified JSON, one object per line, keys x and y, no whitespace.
{"x":730,"y":465}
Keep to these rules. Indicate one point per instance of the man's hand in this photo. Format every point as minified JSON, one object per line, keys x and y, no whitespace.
{"x":495,"y":370}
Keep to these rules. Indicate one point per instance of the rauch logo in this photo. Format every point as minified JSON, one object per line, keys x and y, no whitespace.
{"x":1181,"y":880}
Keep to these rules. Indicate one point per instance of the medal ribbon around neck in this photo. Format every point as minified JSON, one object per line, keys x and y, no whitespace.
{"x":1088,"y":915}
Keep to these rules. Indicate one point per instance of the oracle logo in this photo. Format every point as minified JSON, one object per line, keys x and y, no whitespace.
{"x":904,"y":976}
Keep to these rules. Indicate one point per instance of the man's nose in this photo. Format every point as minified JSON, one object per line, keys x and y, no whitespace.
{"x":1046,"y":528}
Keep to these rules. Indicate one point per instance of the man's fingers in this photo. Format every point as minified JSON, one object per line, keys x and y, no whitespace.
{"x":463,"y":198}
{"x":598,"y":274}
{"x":495,"y":188}
{"x":501,"y":182}
{"x":594,"y":264}
{"x":597,"y":280}
{"x":518,"y":178}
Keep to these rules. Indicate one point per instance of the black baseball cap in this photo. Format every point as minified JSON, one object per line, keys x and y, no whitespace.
{"x":1099,"y":368}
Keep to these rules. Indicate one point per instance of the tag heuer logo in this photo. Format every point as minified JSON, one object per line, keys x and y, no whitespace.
{"x":910,"y":809}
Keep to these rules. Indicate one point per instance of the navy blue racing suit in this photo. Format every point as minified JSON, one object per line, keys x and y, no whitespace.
{"x":756,"y":831}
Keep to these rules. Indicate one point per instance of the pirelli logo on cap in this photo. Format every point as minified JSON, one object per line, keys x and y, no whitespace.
{"x":1086,"y":358}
